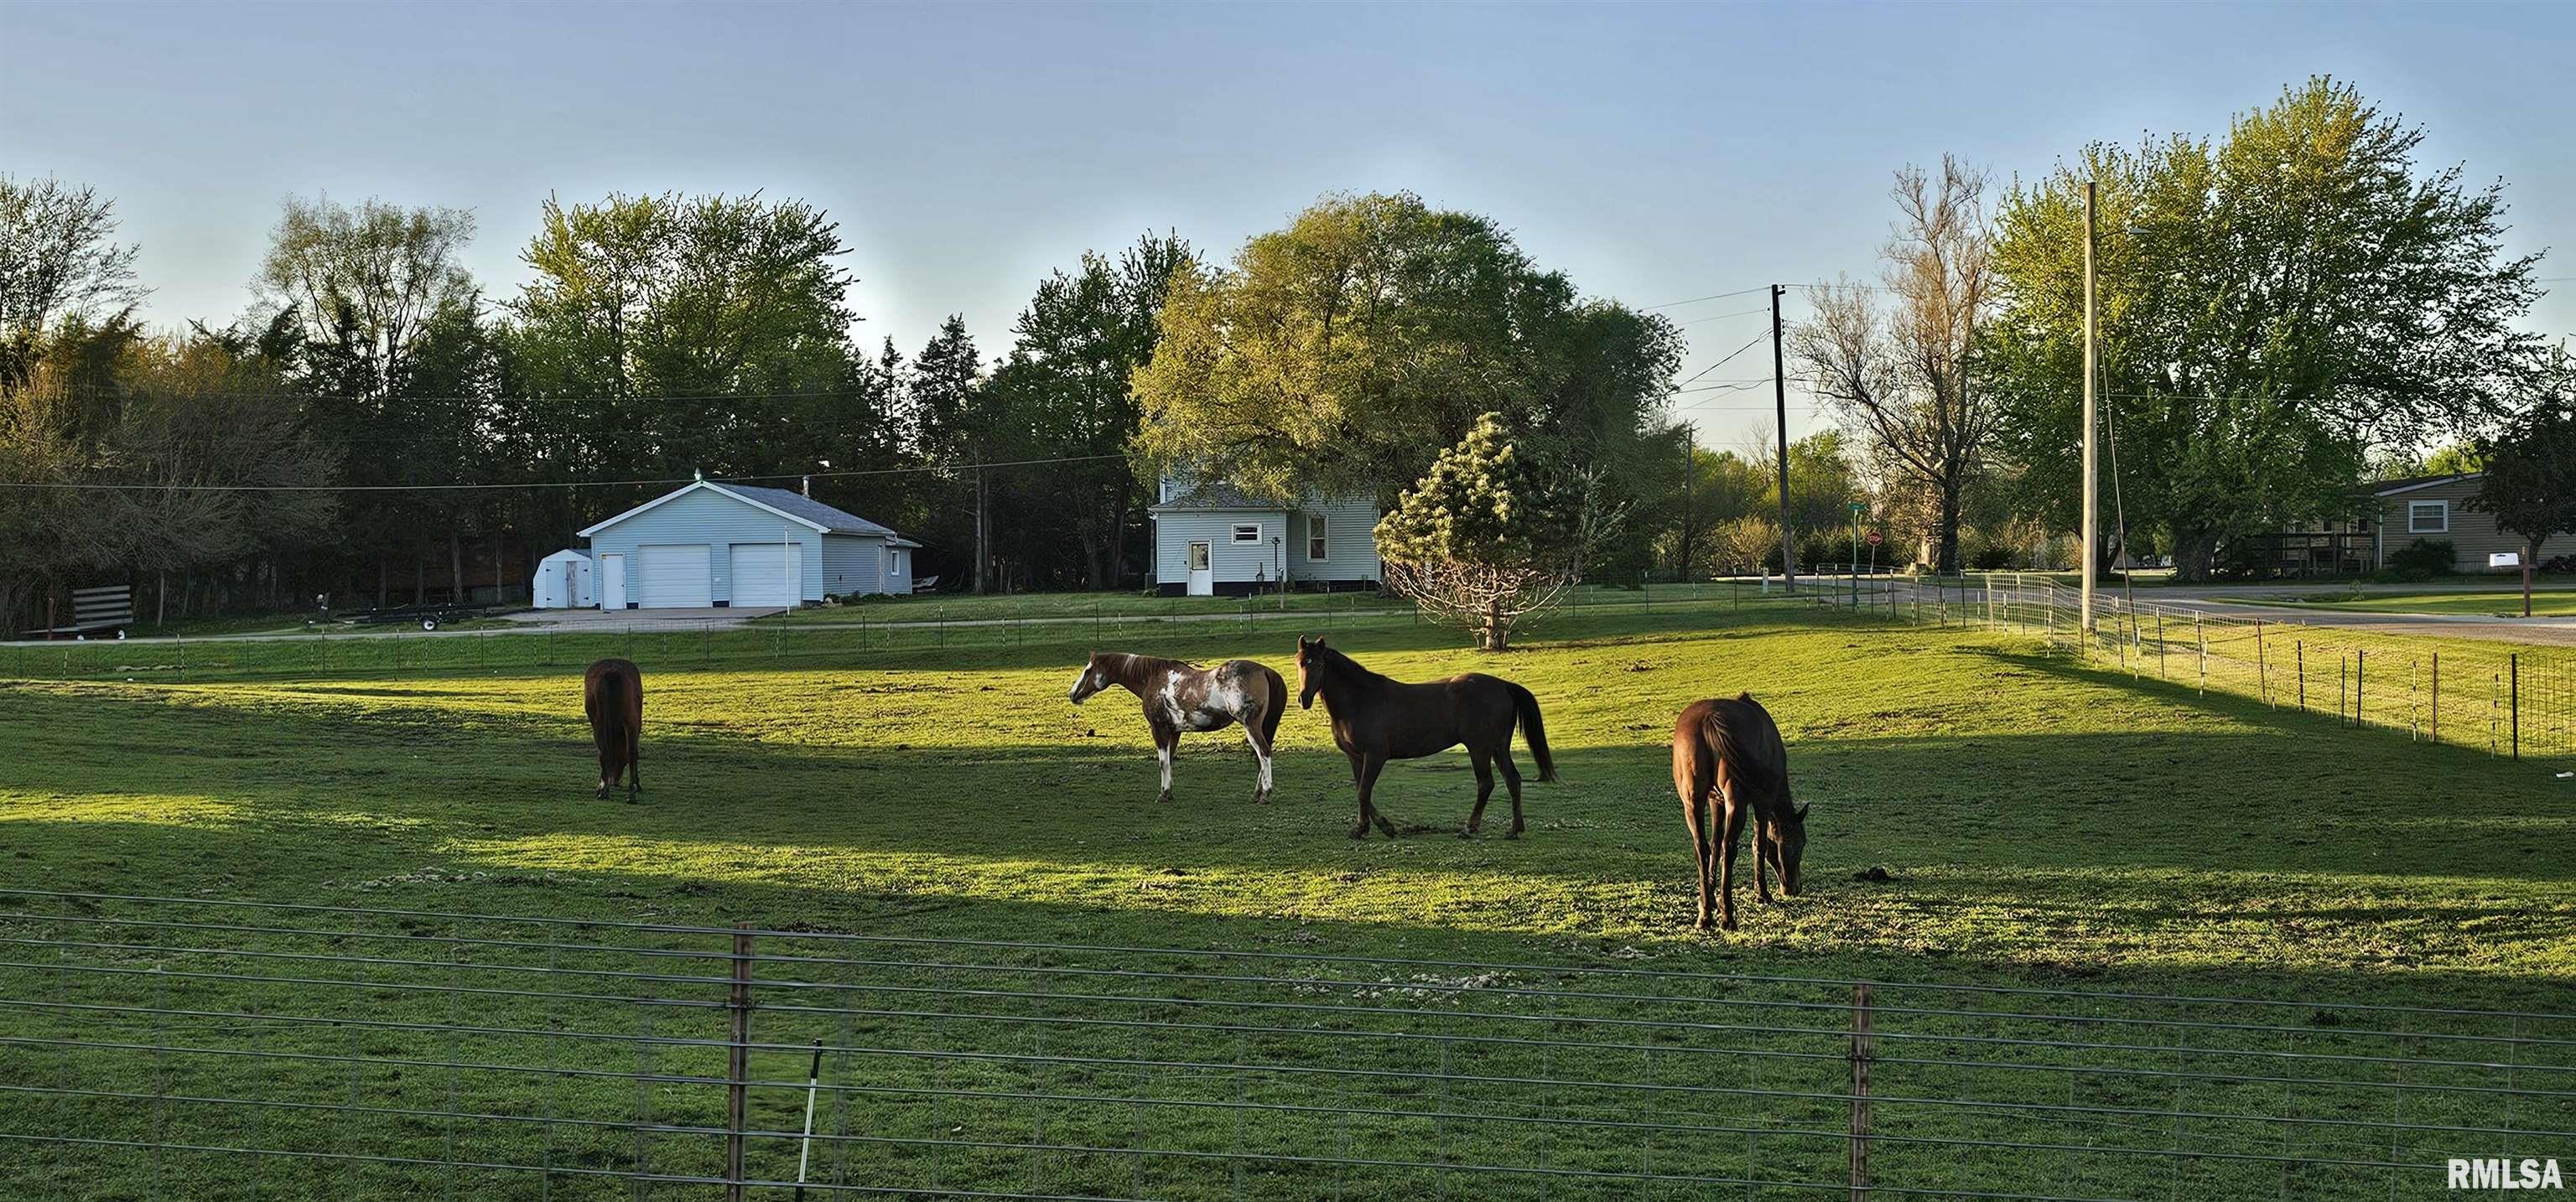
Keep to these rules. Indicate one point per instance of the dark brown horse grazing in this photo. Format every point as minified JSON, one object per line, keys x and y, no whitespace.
{"x":612,"y":693}
{"x":1179,"y":697}
{"x":1728,"y":754}
{"x":1376,"y":719}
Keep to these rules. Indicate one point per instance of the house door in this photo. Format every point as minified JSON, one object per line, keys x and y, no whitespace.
{"x":1202,"y":581}
{"x":612,"y":582}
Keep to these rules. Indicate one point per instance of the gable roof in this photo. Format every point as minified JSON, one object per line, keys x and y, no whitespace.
{"x":795,"y":507}
{"x":2389,"y":488}
{"x":1216,"y":494}
{"x":798,"y":505}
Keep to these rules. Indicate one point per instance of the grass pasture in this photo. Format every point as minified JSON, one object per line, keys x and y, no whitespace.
{"x":2040,"y":824}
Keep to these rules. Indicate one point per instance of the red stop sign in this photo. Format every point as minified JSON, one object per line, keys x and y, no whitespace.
{"x":1873,"y":538}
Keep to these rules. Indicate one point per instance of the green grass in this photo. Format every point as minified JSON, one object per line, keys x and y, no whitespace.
{"x":2041,"y":823}
{"x":953,"y":607}
{"x":2553,"y":602}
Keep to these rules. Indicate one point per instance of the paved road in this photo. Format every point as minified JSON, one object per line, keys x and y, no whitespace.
{"x":2247,"y":602}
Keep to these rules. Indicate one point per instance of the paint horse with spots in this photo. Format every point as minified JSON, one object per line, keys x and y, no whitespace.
{"x":1180,"y":698}
{"x":612,"y":694}
{"x":1376,"y":719}
{"x":1729,"y":764}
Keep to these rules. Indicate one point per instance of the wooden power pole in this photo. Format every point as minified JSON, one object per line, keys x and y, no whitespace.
{"x":1780,"y":401}
{"x":2092,"y":489}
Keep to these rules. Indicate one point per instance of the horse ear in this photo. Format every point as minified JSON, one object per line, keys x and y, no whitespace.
{"x":1801,"y":810}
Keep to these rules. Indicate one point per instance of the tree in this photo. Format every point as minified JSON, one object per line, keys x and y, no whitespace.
{"x":1899,"y":374}
{"x":2274,"y":305}
{"x":2530,"y":481}
{"x":1491,"y":534}
{"x":367,"y":281}
{"x":1071,"y":378}
{"x":959,"y":426}
{"x":58,"y":262}
{"x":1340,"y":353}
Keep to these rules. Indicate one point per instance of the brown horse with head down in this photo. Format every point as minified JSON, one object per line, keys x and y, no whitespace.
{"x":1729,"y":753}
{"x":612,"y":693}
{"x":1376,"y":719}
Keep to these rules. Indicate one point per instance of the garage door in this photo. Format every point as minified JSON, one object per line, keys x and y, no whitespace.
{"x":676,"y":577}
{"x":766,"y":574}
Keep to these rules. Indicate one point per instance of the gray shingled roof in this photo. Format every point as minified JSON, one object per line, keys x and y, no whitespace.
{"x":835,"y":520}
{"x":1217,"y":494}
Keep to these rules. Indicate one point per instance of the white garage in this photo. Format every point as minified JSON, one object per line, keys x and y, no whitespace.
{"x":712,"y":544}
{"x":767,"y":574}
{"x":676,"y":576}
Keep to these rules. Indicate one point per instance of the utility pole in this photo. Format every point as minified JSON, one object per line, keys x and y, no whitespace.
{"x":2092,"y":499}
{"x":1690,"y":451}
{"x":1780,"y":400}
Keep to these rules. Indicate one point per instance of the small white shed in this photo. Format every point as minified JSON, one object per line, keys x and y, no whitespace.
{"x":563,"y":582}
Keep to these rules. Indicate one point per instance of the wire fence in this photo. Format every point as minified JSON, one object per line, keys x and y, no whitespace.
{"x":2509,"y":700}
{"x":185,"y":1047}
{"x":982,"y":626}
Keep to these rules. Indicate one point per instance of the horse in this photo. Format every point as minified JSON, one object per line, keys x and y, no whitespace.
{"x":612,"y":693}
{"x":1179,"y":697}
{"x":1376,"y":719}
{"x":1729,"y":752}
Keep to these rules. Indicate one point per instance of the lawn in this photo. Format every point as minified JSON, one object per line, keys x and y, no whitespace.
{"x":2038,"y":822}
{"x":1030,"y":607}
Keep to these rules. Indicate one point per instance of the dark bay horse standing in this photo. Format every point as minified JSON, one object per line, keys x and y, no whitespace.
{"x":1179,"y":697}
{"x":1728,"y":755}
{"x":612,"y":693}
{"x":1376,"y":719}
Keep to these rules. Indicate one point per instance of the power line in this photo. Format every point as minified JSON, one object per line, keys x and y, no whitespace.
{"x":882,"y":471}
{"x":1697,"y":299}
{"x":1723,"y":316}
{"x":1757,"y":341}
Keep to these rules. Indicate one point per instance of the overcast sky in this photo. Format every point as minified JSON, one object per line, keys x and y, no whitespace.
{"x":1652,"y":152}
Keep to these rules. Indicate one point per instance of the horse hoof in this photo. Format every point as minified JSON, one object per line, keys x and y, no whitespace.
{"x":1359,"y":832}
{"x":1729,"y":924}
{"x":1466,"y":832}
{"x":1513,"y":833}
{"x":1163,"y":798}
{"x":1704,"y":922}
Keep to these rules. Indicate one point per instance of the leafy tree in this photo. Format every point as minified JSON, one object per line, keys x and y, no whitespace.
{"x":1339,"y":353}
{"x":2459,"y":458}
{"x":59,"y":261}
{"x":1898,"y":373}
{"x":2275,"y":304}
{"x":1070,"y":379}
{"x":366,"y":281}
{"x":2530,"y":481}
{"x":1490,"y":535}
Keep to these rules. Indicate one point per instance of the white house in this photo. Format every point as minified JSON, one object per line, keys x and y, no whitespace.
{"x":713,"y":544}
{"x":1212,"y":540}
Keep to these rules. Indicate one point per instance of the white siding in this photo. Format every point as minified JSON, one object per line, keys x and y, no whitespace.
{"x":1350,"y":546}
{"x":718,"y":521}
{"x":851,"y":564}
{"x":1228,"y":560}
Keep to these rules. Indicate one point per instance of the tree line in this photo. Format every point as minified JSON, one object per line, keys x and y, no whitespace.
{"x":2288,"y":309}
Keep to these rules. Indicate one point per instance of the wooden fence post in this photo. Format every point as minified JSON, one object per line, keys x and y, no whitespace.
{"x":2437,"y":698}
{"x":738,"y":1065}
{"x":2360,"y":660}
{"x":1860,"y":1057}
{"x":2515,"y":700}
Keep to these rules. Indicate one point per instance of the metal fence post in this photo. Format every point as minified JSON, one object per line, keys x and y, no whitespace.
{"x":1860,"y":1057}
{"x":2300,"y":646}
{"x":2514,"y":661}
{"x":738,"y":1065}
{"x":2202,"y":634}
{"x":2360,"y":660}
{"x":2436,"y":735}
{"x":2262,"y":666}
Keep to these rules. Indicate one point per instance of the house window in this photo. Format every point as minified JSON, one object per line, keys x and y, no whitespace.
{"x":895,"y":560}
{"x":1247,"y":532}
{"x":1316,"y":547}
{"x":2428,"y":517}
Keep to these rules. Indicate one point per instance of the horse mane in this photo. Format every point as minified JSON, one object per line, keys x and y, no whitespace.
{"x":1344,"y":664}
{"x":1131,"y":669}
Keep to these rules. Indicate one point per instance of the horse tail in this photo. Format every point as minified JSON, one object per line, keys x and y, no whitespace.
{"x":1278,"y":707}
{"x":1533,"y":729}
{"x":1746,"y":743}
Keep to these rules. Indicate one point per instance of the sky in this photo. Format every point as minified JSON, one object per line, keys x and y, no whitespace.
{"x":1654,"y":153}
